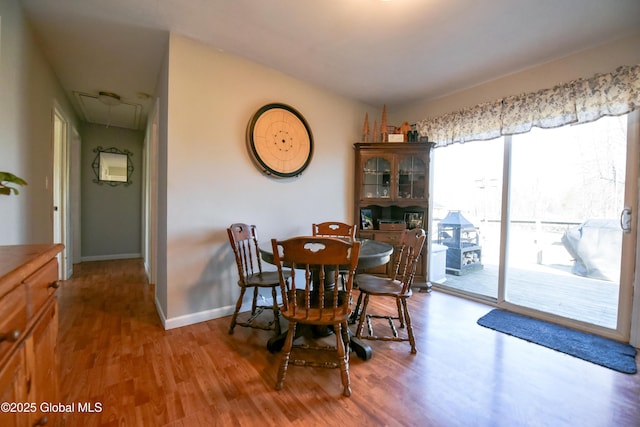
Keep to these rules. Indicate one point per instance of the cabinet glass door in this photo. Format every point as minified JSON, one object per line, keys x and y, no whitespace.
{"x":411,"y":178}
{"x":376,"y":178}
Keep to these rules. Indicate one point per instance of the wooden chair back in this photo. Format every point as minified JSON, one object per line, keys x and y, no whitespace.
{"x":407,"y":257}
{"x":243,"y":239}
{"x":244,"y":242}
{"x":335,"y":229}
{"x":316,"y":264}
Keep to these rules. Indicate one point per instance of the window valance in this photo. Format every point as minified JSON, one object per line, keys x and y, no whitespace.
{"x":579,"y":101}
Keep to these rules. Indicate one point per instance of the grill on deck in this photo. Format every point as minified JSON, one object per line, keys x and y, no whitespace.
{"x":459,"y":235}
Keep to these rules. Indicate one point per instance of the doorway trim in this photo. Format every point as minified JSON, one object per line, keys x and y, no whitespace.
{"x":60,"y":208}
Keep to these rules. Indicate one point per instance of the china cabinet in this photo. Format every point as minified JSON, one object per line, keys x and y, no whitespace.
{"x":392,"y":194}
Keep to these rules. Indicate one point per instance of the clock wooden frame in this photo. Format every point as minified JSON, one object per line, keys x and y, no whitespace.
{"x":279,"y":141}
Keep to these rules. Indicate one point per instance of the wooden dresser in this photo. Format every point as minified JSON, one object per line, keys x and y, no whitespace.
{"x":28,"y":334}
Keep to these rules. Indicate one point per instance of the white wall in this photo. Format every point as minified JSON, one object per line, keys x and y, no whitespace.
{"x":28,"y":91}
{"x":212,"y":183}
{"x":159,"y":228}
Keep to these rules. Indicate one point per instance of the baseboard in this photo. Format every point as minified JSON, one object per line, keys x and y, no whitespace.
{"x":163,"y":318}
{"x":192,"y":318}
{"x":109,"y":257}
{"x":202,"y":316}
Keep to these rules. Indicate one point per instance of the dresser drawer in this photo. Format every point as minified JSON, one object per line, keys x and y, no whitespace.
{"x":390,"y":238}
{"x":41,"y":285}
{"x":13,"y":319}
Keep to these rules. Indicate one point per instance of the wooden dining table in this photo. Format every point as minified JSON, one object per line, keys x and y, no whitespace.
{"x":372,"y":254}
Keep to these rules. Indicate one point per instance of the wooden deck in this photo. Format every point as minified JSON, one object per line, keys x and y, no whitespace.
{"x":553,"y":289}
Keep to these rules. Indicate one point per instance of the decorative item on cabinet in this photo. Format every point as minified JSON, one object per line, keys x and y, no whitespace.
{"x":413,"y":135}
{"x":404,"y":129}
{"x":389,"y":133}
{"x":383,"y":124}
{"x":366,"y":221}
{"x":395,"y":137}
{"x":414,"y":219}
{"x":365,"y":128}
{"x":391,"y":225}
{"x":392,"y":193}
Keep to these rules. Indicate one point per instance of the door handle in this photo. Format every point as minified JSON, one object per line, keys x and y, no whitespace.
{"x":625,"y":220}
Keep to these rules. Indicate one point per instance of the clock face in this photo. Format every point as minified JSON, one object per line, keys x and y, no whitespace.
{"x":280,"y":140}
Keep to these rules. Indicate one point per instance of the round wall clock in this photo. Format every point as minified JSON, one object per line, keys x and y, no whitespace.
{"x":280,"y":141}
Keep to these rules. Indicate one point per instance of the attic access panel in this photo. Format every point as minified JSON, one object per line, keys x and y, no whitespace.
{"x":124,"y":115}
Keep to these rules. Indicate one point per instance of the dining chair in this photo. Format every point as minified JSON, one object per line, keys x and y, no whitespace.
{"x":244,"y":242}
{"x":335,"y":229}
{"x":311,"y":297}
{"x":396,"y":287}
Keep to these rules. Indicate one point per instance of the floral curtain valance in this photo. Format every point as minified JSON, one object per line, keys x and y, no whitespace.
{"x":579,"y":101}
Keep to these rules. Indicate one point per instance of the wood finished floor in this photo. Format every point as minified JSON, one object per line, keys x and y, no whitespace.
{"x":113,"y":350}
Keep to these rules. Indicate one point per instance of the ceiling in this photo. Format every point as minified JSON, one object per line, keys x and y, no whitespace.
{"x":378,"y":52}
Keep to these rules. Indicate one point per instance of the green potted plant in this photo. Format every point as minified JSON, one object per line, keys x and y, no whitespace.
{"x":6,"y":179}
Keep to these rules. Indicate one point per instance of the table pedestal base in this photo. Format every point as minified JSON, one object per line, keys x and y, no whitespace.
{"x":362,"y":350}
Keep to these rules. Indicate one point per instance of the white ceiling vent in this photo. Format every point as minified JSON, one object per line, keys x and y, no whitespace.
{"x":122,"y":114}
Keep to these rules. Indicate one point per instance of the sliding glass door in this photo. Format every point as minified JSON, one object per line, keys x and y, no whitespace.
{"x":545,"y":208}
{"x":467,"y":183}
{"x":565,"y":241}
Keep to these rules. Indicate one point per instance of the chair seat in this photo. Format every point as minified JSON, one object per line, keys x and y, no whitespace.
{"x":266,"y":279}
{"x":381,"y":286}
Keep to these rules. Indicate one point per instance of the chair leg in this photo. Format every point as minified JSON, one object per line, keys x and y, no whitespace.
{"x":343,"y":280}
{"x":343,"y":357}
{"x":254,"y":304}
{"x":235,"y":313}
{"x":362,"y":315}
{"x":286,"y":354}
{"x":400,"y":313}
{"x":276,"y":311}
{"x":356,"y":311}
{"x":407,"y":316}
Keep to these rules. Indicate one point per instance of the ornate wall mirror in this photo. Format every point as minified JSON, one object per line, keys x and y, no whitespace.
{"x":112,"y":166}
